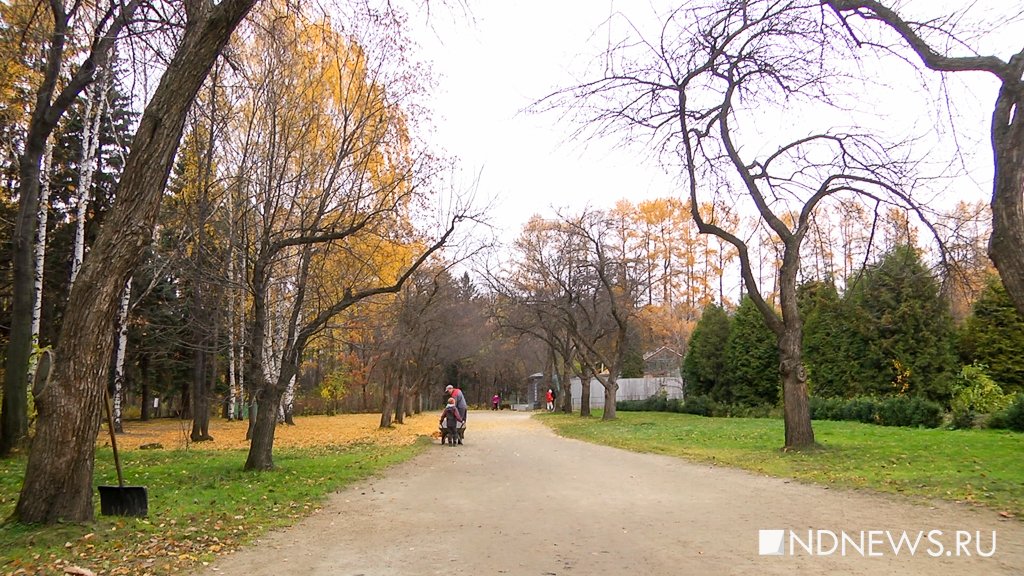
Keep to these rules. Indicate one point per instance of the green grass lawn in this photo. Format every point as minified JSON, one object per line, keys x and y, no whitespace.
{"x":201,"y":504}
{"x":985,"y":467}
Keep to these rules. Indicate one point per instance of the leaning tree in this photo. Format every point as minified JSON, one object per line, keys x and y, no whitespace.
{"x":58,"y":477}
{"x":61,"y":81}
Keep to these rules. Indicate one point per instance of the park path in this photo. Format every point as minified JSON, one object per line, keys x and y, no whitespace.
{"x":516,"y":499}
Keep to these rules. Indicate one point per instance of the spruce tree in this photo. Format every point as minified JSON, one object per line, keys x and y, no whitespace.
{"x":751,"y":360}
{"x":904,"y":329}
{"x":703,"y":366}
{"x":993,"y":335}
{"x":830,"y":355}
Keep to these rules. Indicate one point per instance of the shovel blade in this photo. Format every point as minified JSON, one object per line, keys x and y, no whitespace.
{"x":124,"y":501}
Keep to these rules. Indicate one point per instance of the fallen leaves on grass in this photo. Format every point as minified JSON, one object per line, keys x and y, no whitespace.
{"x":308,"y":432}
{"x":181,"y":548}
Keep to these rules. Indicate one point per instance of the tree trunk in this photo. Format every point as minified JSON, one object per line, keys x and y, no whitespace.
{"x":14,"y":414}
{"x":796,"y":405}
{"x":146,"y":397}
{"x":233,"y":387}
{"x":288,"y":403}
{"x":90,"y":143}
{"x":585,"y":395}
{"x":389,"y":393}
{"x":400,"y":403}
{"x":564,"y":380}
{"x":200,"y":396}
{"x":1005,"y":244}
{"x":185,"y":404}
{"x":42,"y":219}
{"x":58,"y":476}
{"x":261,"y":449}
{"x":611,"y":388}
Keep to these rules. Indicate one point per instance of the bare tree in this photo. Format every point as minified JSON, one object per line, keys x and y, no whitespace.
{"x":933,"y":43}
{"x":533,"y":294}
{"x":599,"y":318}
{"x":436,"y":327}
{"x":700,"y":88}
{"x":580,"y":293}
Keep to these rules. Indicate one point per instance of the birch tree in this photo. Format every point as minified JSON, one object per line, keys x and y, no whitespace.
{"x":119,"y":354}
{"x":336,"y":171}
{"x":95,"y":105}
{"x":40,"y":245}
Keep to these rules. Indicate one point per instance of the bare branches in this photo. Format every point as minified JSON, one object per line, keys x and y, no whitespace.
{"x":909,"y":31}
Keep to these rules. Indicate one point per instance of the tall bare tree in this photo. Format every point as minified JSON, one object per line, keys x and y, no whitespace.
{"x":700,"y":86}
{"x":579,"y":289}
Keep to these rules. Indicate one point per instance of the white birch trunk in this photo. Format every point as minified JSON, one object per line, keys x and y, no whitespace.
{"x":122,"y":345}
{"x":273,"y":345}
{"x":232,"y":358}
{"x":287,"y":401}
{"x":232,"y":319}
{"x":241,"y":355}
{"x":43,"y":215}
{"x":94,"y":109}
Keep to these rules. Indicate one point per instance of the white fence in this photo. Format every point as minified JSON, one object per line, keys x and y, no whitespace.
{"x":629,"y":389}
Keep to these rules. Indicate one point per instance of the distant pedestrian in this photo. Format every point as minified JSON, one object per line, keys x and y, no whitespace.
{"x":495,"y":402}
{"x":551,"y":400}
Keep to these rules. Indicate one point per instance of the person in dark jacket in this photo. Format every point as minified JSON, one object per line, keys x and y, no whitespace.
{"x":450,"y":420}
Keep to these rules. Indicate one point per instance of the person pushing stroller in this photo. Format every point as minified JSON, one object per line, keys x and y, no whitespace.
{"x":450,"y":420}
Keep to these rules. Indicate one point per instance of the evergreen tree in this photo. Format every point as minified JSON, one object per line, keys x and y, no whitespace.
{"x":902,"y":331}
{"x":114,"y":140}
{"x":994,"y":336}
{"x":831,"y":356}
{"x":703,"y":366}
{"x":633,"y":362}
{"x":633,"y":365}
{"x":751,"y":360}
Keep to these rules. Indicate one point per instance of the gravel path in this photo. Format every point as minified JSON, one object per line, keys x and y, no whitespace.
{"x":517,"y":499}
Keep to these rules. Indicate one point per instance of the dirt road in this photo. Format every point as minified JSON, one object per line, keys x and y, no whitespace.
{"x":519,"y":500}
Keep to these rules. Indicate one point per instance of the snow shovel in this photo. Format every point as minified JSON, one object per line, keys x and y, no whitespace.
{"x":121,"y":500}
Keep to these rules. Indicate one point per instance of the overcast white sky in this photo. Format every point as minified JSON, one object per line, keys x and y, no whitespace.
{"x":489,"y":70}
{"x":505,"y":55}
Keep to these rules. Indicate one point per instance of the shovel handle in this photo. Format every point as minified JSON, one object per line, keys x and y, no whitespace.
{"x":113,"y":439}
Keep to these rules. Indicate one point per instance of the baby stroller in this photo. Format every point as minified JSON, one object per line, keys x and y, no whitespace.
{"x":460,"y":431}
